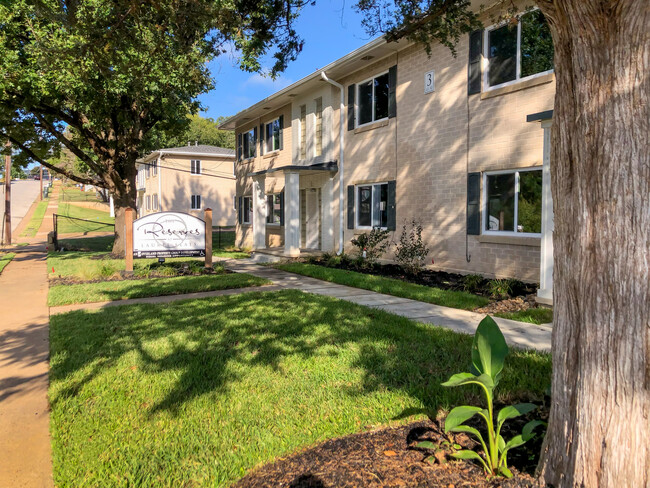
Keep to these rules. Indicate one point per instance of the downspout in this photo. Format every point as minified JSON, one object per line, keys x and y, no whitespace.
{"x":341,"y":136}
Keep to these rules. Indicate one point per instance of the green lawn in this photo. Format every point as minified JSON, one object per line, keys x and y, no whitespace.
{"x":5,"y":259}
{"x":150,"y":287}
{"x":99,"y":221}
{"x":74,"y":194}
{"x":36,"y":220}
{"x":532,"y":315}
{"x":389,"y":286}
{"x":197,"y":393}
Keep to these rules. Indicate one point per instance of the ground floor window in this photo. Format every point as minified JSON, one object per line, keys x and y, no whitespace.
{"x":155,"y":201}
{"x":247,"y":207}
{"x":372,"y":206}
{"x":513,"y":202}
{"x":274,"y":207}
{"x":196,"y":202}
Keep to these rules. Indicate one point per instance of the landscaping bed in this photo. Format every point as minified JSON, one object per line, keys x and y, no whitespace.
{"x":200,"y":392}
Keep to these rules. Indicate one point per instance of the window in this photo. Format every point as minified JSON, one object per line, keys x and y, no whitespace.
{"x":154,"y":168}
{"x":196,"y":202}
{"x":513,"y":202}
{"x":247,"y":215}
{"x":303,"y":132}
{"x":147,"y":170}
{"x":372,"y":96}
{"x":155,"y":201}
{"x":516,"y":52}
{"x":318,"y":133}
{"x":271,"y":136}
{"x":372,"y":206}
{"x":250,"y":144}
{"x":147,"y":202}
{"x":274,"y":207}
{"x":195,"y":167}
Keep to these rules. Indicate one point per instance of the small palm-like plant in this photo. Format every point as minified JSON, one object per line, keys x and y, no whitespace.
{"x":488,"y":354}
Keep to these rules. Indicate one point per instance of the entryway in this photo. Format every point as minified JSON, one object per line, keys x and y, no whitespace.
{"x":310,"y":205}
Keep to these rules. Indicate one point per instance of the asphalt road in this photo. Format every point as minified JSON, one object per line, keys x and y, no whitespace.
{"x":23,"y":194}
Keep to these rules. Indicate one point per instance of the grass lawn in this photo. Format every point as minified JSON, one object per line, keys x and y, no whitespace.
{"x":36,"y":220}
{"x":389,"y":286}
{"x":105,"y":244}
{"x":532,"y":315}
{"x":197,"y":393}
{"x":100,"y":221}
{"x":75,"y":194}
{"x":150,"y":287}
{"x":5,"y":259}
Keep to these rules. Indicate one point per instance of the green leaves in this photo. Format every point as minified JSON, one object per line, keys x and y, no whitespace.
{"x":459,"y":415}
{"x":513,"y":411}
{"x":489,"y":349}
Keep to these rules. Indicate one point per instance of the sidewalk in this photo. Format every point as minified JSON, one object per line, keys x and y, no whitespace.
{"x":25,"y":456}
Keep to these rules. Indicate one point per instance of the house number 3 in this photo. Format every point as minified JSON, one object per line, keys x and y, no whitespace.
{"x":429,"y":82}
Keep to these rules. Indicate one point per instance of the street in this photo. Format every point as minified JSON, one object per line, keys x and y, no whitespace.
{"x":23,"y":194}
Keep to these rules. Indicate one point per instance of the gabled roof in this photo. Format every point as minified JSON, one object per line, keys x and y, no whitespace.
{"x":193,"y":150}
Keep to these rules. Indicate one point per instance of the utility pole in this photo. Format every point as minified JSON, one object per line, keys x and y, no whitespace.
{"x":41,"y":180}
{"x":8,"y":194}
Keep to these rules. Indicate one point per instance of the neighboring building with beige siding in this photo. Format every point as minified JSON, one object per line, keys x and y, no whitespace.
{"x":188,"y":179}
{"x":453,"y":142}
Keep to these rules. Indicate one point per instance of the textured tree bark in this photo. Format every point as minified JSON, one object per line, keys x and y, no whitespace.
{"x":123,"y":188}
{"x":599,"y":427}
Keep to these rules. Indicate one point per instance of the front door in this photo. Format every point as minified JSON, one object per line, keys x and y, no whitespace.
{"x":312,"y":218}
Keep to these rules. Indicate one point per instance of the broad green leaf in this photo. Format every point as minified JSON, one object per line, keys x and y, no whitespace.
{"x":461,"y":379}
{"x":489,"y":349}
{"x":501,"y":443}
{"x":513,"y":411}
{"x":459,"y":415}
{"x":516,"y":441}
{"x":467,"y":454}
{"x":426,"y":445}
{"x":527,"y":431}
{"x":467,"y":430}
{"x":505,"y":472}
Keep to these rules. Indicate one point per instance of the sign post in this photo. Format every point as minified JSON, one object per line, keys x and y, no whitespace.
{"x":208,"y":238}
{"x":128,"y":245}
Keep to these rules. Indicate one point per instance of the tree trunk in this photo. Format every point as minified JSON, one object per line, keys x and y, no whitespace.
{"x":124,"y":196}
{"x":599,"y":427}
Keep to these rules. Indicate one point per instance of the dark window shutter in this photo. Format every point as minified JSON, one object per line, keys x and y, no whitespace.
{"x":262,"y":140}
{"x":351,"y":90}
{"x":254,"y":142}
{"x":281,"y":122}
{"x":392,"y":89}
{"x":282,"y":208}
{"x":350,"y":206}
{"x":391,"y":221}
{"x":239,"y":210}
{"x":474,"y":204}
{"x":239,"y":147}
{"x":474,"y":65}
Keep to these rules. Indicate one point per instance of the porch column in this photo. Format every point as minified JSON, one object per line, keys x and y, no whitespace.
{"x":291,"y":214}
{"x":327,"y":219}
{"x":545,"y":292}
{"x":259,"y":213}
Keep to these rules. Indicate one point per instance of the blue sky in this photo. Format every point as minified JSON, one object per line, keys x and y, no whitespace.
{"x":330,"y":29}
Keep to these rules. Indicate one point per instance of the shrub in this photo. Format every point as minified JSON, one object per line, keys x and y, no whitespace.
{"x":374,"y":243}
{"x":499,"y":289}
{"x":472,"y":282}
{"x":411,"y":251}
{"x":488,"y":355}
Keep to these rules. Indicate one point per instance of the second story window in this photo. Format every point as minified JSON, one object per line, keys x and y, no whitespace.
{"x":272,"y":136}
{"x":372,"y":96}
{"x":303,"y":132}
{"x":248,"y":144}
{"x":516,"y":52}
{"x":318,"y":132}
{"x":195,"y":167}
{"x":196,"y":202}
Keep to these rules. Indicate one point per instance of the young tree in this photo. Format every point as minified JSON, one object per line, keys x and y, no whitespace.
{"x":112,"y":70}
{"x":203,"y":130}
{"x":598,"y":433}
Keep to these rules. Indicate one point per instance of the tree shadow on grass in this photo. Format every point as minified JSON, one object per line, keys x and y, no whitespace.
{"x":211,"y":343}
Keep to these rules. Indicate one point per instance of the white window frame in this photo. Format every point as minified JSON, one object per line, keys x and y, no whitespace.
{"x":154,"y":201}
{"x":243,"y":210}
{"x":193,"y":165}
{"x":265,"y":147}
{"x":302,"y":128}
{"x":252,"y":144}
{"x":357,"y":105}
{"x":147,"y":203}
{"x":357,"y":202}
{"x":484,"y":215}
{"x":486,"y":60}
{"x":316,"y":138}
{"x":193,"y":201}
{"x":270,"y":209}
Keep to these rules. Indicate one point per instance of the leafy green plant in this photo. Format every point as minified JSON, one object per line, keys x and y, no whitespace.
{"x":499,"y":289}
{"x":488,"y":354}
{"x":373,"y":243}
{"x":472,"y":282}
{"x":411,"y":251}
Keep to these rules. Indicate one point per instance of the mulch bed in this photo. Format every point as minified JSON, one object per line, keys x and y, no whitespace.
{"x":381,"y":458}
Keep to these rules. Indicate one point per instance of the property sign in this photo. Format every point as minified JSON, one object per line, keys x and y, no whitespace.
{"x":168,"y":235}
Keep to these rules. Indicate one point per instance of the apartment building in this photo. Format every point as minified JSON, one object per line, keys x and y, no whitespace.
{"x":188,"y":179}
{"x":387,"y":134}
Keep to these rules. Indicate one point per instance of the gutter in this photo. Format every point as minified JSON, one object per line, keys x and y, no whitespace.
{"x":341,"y":152}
